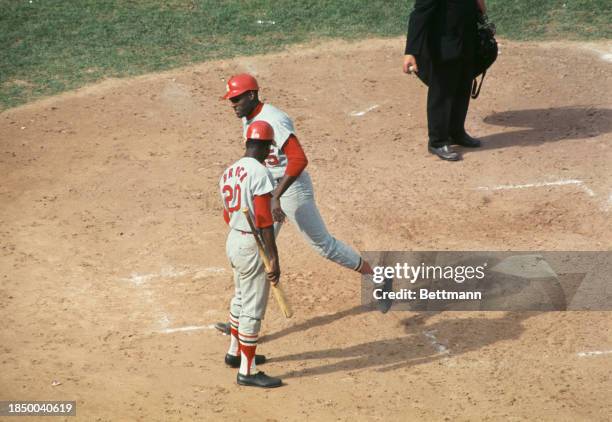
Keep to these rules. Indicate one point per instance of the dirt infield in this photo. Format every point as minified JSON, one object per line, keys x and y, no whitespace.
{"x":113,"y":264}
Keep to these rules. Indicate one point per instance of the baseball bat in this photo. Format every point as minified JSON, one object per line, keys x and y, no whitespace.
{"x":278,"y":292}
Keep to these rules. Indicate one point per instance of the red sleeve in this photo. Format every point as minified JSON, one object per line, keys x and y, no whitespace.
{"x":226,"y":216}
{"x":296,"y":158}
{"x":263,"y":211}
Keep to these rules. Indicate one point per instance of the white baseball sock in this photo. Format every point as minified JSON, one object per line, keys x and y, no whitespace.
{"x":248,"y":346}
{"x":234,"y":347}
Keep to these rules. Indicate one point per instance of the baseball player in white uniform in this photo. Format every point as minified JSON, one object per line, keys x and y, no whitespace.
{"x":248,"y":183}
{"x":287,"y":163}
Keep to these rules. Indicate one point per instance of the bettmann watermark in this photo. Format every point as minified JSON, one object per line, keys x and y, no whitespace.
{"x":495,"y":281}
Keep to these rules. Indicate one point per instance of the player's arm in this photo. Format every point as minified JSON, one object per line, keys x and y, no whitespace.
{"x":264,"y":221}
{"x":296,"y":163}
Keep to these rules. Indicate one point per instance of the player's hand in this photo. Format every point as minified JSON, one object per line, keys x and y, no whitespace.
{"x":277,"y":212}
{"x":274,"y":275}
{"x":410,"y":64}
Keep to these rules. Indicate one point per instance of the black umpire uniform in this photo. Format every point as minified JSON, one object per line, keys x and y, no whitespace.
{"x":442,"y":37}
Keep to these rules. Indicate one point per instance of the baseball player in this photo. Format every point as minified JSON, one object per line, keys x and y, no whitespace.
{"x":248,"y":183}
{"x":287,"y":162}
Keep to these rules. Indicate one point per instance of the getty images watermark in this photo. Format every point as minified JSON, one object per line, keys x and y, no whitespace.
{"x":496,"y":281}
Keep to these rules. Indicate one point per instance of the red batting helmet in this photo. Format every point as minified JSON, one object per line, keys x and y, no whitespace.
{"x":239,"y":84}
{"x":260,"y":131}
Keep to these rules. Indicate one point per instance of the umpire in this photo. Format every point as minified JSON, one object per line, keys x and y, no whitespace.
{"x":440,"y":49}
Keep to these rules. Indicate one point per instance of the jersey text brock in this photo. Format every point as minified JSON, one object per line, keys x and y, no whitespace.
{"x":239,"y":172}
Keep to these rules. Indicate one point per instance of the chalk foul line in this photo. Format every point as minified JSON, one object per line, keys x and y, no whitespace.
{"x":361,"y":113}
{"x":594,"y":353}
{"x":440,"y":348}
{"x":579,"y":183}
{"x":187,"y":328}
{"x":607,"y":206}
{"x":170,"y":272}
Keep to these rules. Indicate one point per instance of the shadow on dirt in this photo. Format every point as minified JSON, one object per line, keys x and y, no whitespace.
{"x":545,"y":125}
{"x":419,"y":345}
{"x":315,"y":322}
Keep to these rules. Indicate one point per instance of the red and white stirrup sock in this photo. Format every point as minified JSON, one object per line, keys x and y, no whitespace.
{"x":234,"y":347}
{"x":248,"y":345}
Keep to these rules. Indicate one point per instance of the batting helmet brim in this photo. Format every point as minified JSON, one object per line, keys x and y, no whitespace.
{"x":239,"y":84}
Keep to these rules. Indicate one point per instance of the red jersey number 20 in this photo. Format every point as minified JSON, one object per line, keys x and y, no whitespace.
{"x":232,"y":196}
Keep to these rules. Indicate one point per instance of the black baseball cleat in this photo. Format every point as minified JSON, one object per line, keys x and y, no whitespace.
{"x":259,"y":380}
{"x":445,"y":152}
{"x":465,"y":140}
{"x":384,"y":304}
{"x":224,"y":327}
{"x":234,"y":361}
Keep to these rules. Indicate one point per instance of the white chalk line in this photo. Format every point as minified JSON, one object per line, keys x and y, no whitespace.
{"x":361,"y":113}
{"x":208,"y":271}
{"x":187,"y":328}
{"x":578,"y":183}
{"x":587,"y":190}
{"x":607,"y":206}
{"x":166,"y":272}
{"x":603,"y":55}
{"x":139,"y":279}
{"x":163,"y":320}
{"x":594,"y":353}
{"x":440,"y":348}
{"x":170,"y":272}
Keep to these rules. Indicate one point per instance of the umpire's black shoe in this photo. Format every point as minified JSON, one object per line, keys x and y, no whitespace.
{"x":234,"y":361}
{"x":384,"y":304}
{"x":445,"y":152}
{"x":465,"y":140}
{"x":259,"y":380}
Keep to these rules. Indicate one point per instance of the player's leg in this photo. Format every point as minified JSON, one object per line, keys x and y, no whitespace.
{"x":254,"y":288}
{"x":277,"y":227}
{"x":225,"y":327}
{"x":301,"y":209}
{"x":233,"y":352}
{"x":232,"y":357}
{"x":299,"y":205}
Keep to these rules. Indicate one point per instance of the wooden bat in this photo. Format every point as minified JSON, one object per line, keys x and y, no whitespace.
{"x":279,"y":295}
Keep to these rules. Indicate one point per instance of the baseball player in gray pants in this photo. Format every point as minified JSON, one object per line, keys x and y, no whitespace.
{"x":248,"y":184}
{"x":287,"y":162}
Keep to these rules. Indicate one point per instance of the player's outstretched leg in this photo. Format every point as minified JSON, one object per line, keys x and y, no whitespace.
{"x":301,"y":209}
{"x":384,"y":303}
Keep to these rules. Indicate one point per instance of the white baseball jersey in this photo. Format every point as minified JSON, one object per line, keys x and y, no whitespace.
{"x":298,"y":201}
{"x":239,"y":184}
{"x":283,"y":128}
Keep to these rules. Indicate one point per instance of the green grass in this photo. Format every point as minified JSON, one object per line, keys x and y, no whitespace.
{"x":49,"y":46}
{"x":552,"y":19}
